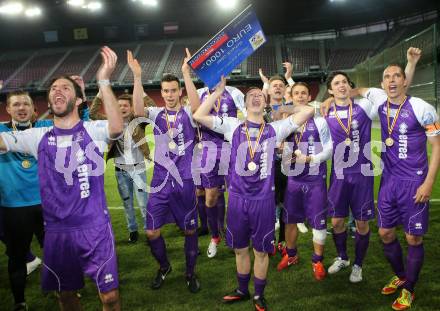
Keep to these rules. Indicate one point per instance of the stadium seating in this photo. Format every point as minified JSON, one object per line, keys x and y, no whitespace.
{"x":263,"y":58}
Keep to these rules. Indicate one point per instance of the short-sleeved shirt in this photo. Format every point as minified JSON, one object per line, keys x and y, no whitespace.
{"x":407,"y":158}
{"x":19,"y":184}
{"x":314,"y":140}
{"x":182,"y":126}
{"x":71,"y":172}
{"x":353,"y":159}
{"x":257,"y":184}
{"x":231,"y":100}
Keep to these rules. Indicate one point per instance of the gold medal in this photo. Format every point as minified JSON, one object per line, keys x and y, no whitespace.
{"x":26,"y":164}
{"x":172,"y":145}
{"x":297,"y":152}
{"x":200,"y":145}
{"x":347,"y":141}
{"x":252,"y":166}
{"x":389,"y":142}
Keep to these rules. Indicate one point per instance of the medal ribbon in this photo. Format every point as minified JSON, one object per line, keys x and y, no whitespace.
{"x":169,"y":127}
{"x":390,"y":129}
{"x":350,"y":114}
{"x":257,"y":142}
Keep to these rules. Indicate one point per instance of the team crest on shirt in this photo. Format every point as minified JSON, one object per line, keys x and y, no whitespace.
{"x":51,"y":141}
{"x":404,"y":113}
{"x":354,"y":124}
{"x":311,"y":140}
{"x":403,"y":128}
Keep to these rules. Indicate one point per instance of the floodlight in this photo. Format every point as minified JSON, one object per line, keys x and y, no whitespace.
{"x":32,"y":12}
{"x":94,"y":6}
{"x":76,"y":2}
{"x":11,"y":8}
{"x":227,"y":4}
{"x":149,"y":2}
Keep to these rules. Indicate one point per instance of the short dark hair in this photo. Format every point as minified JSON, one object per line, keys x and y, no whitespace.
{"x":170,"y":78}
{"x":398,"y":66}
{"x":128,"y":97}
{"x":276,"y":78}
{"x":18,"y":93}
{"x":76,"y":87}
{"x":333,"y":74}
{"x":300,"y":84}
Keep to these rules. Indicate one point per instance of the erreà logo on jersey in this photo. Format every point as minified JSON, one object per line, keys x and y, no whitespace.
{"x":83,"y":178}
{"x":403,"y":141}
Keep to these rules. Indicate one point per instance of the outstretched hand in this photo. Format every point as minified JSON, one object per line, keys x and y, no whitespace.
{"x":186,"y":69}
{"x":262,"y":76}
{"x":108,"y":65}
{"x":289,"y":70}
{"x":220,"y":87}
{"x":134,"y":65}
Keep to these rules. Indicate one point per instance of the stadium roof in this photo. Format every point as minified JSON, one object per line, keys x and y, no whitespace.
{"x":199,"y":17}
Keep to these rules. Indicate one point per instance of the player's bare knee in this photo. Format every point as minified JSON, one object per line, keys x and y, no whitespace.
{"x":241,"y":251}
{"x":153,"y":234}
{"x":414,"y":240}
{"x":338,"y":224}
{"x":110,"y":298}
{"x":362,"y":227}
{"x":387,"y":235}
{"x":260,"y":255}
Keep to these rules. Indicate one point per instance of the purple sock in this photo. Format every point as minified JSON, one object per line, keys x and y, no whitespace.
{"x":414,"y":263}
{"x":212,"y":221}
{"x":317,"y":258}
{"x":243,"y":282}
{"x":291,"y":252}
{"x":340,"y":240}
{"x":159,"y":251}
{"x":191,"y":250}
{"x":361,"y":246}
{"x":393,"y":253}
{"x":259,"y":286}
{"x":202,"y":212}
{"x":30,"y":257}
{"x":221,"y":210}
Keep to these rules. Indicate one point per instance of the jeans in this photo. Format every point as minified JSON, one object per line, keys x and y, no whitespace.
{"x":129,"y":180}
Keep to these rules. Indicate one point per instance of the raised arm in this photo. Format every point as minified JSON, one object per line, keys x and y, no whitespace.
{"x":413,"y":56}
{"x":202,"y":114}
{"x":302,"y":114}
{"x":289,"y":73}
{"x":114,"y":117}
{"x":191,"y":90}
{"x":138,"y":88}
{"x":265,"y":81}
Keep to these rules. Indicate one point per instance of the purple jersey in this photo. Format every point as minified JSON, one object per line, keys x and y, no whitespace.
{"x":230,"y":102}
{"x":314,"y":141}
{"x":407,"y":157}
{"x":176,"y":160}
{"x":257,"y":184}
{"x":71,"y":172}
{"x":351,"y":159}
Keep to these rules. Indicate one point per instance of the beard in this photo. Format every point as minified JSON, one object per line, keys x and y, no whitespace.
{"x":68,"y":110}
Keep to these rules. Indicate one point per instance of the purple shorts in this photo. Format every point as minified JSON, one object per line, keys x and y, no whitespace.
{"x":212,"y":179}
{"x":70,"y":255}
{"x":250,"y":220}
{"x":173,"y":204}
{"x":306,"y":201}
{"x":355,"y":191}
{"x":396,"y":206}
